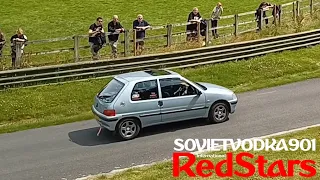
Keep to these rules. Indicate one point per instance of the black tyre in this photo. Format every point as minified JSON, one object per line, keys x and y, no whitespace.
{"x":219,"y":112}
{"x":128,"y":129}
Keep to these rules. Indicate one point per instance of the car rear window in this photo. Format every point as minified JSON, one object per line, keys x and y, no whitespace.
{"x":111,"y":91}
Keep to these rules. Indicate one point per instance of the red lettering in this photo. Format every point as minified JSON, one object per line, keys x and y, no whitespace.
{"x":245,"y":164}
{"x":186,"y":167}
{"x":229,"y":166}
{"x":261,"y":164}
{"x":282,"y":172}
{"x":310,"y":168}
{"x":291,"y":164}
{"x":200,"y":168}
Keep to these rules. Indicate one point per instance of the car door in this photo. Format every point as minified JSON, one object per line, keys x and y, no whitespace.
{"x":144,"y":102}
{"x":180,"y":100}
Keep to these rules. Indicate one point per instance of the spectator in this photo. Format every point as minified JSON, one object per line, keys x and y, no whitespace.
{"x":263,"y":7}
{"x":194,"y":17}
{"x":276,"y":13}
{"x":114,"y":27}
{"x":96,"y":38}
{"x":18,"y":37}
{"x":140,"y":25}
{"x":2,"y":42}
{"x":216,"y":13}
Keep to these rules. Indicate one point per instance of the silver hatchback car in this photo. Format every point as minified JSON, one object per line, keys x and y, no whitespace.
{"x":135,"y":100}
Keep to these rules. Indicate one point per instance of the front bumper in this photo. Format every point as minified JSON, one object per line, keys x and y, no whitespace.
{"x":104,"y":121}
{"x":233,"y":104}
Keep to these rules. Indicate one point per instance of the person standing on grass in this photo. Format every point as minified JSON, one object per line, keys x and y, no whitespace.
{"x":18,"y":37}
{"x":114,"y":27}
{"x":215,"y":16}
{"x":263,"y":7}
{"x":96,"y":38}
{"x":140,"y":25}
{"x":2,"y":42}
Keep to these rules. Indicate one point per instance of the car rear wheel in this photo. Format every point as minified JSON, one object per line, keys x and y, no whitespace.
{"x":128,"y":129}
{"x":219,"y":113}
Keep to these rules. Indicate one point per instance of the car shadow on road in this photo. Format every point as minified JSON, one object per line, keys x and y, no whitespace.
{"x":88,"y":137}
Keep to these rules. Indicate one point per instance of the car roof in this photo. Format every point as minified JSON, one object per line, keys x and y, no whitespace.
{"x":146,"y":75}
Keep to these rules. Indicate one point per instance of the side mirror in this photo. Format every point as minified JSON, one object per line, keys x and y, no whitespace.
{"x":199,"y":92}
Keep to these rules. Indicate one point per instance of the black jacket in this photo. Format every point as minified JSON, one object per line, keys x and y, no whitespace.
{"x":112,"y":28}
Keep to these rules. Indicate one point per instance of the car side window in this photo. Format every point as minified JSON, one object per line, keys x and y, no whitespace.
{"x":175,"y":87}
{"x":145,"y":90}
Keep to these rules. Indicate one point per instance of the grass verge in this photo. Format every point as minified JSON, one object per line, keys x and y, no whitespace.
{"x":27,"y":108}
{"x":163,"y":171}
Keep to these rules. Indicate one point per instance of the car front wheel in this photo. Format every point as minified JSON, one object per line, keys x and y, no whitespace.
{"x":219,"y":113}
{"x":128,"y":129}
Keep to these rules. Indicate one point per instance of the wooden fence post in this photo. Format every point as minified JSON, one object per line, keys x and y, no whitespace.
{"x":76,"y":48}
{"x":135,"y":42}
{"x":236,"y":24}
{"x":261,"y":20}
{"x":294,"y":12}
{"x":126,"y":43}
{"x":280,"y":14}
{"x":17,"y":62}
{"x":169,"y":35}
{"x":311,"y":7}
{"x":298,"y":9}
{"x":275,"y":14}
{"x":198,"y":31}
{"x":208,"y":22}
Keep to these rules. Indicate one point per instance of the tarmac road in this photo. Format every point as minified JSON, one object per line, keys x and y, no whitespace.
{"x":73,"y":150}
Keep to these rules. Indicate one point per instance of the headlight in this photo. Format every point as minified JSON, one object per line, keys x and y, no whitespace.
{"x":234,"y":96}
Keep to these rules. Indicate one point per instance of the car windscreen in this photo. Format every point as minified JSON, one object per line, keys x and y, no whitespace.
{"x":110,"y":91}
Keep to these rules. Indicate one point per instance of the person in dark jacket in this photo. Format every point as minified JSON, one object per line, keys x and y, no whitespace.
{"x":194,"y":17}
{"x":114,"y":27}
{"x":96,"y":37}
{"x":140,"y":25}
{"x":18,"y":37}
{"x":263,"y":7}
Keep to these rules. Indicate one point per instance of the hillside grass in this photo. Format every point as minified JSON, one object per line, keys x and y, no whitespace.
{"x":42,"y":106}
{"x":163,"y":171}
{"x":57,"y":18}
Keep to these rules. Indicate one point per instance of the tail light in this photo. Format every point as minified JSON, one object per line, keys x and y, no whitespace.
{"x":109,"y":112}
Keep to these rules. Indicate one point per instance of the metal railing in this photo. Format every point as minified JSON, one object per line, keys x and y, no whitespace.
{"x":182,"y":59}
{"x":231,"y":25}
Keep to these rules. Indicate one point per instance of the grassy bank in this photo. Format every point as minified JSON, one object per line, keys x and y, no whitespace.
{"x":28,"y":108}
{"x":163,"y":171}
{"x":55,"y":21}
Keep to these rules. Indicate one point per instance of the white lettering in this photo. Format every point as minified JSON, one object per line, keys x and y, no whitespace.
{"x":294,"y":142}
{"x":178,"y":142}
{"x":283,"y":147}
{"x":204,"y":144}
{"x":308,"y":145}
{"x":214,"y":145}
{"x":313,"y":144}
{"x":235,"y":146}
{"x":244,"y":143}
{"x":255,"y":144}
{"x":270,"y":146}
{"x":193,"y":145}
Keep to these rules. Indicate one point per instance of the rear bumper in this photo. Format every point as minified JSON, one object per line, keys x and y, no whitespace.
{"x":104,"y":121}
{"x":233,"y":105}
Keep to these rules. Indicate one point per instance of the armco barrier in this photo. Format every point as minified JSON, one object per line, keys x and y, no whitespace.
{"x":181,"y":59}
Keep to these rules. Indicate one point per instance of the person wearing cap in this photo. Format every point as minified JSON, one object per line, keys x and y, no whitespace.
{"x":140,"y":25}
{"x":215,"y":16}
{"x":115,"y":28}
{"x":18,"y":37}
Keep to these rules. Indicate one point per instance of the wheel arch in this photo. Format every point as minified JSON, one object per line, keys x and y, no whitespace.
{"x":222,"y":101}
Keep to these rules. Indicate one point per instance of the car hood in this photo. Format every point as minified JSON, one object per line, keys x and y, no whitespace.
{"x":212,"y":87}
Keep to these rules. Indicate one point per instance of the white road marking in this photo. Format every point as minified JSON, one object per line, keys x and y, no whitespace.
{"x":267,"y":93}
{"x":196,"y":153}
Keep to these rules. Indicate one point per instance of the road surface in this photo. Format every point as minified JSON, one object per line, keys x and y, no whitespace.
{"x":71,"y":151}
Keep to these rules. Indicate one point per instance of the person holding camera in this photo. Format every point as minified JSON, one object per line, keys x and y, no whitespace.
{"x":96,"y":38}
{"x":115,"y":28}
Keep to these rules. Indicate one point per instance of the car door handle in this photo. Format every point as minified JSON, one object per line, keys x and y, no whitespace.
{"x":160,"y":103}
